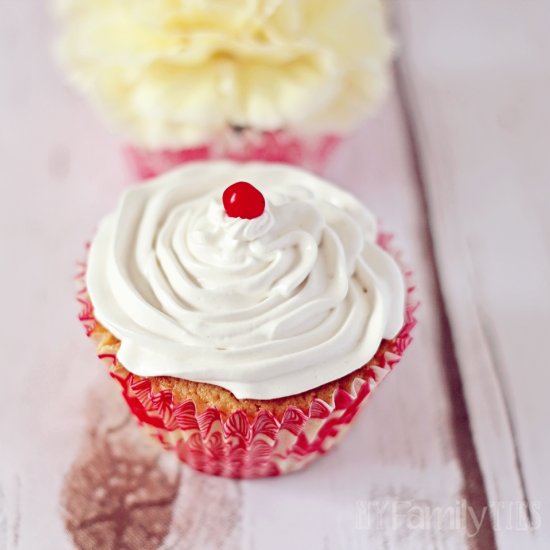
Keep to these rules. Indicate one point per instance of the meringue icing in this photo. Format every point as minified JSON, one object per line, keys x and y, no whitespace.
{"x":267,"y":307}
{"x":175,"y":74}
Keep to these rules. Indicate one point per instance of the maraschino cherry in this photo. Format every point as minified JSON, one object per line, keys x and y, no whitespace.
{"x":243,"y":200}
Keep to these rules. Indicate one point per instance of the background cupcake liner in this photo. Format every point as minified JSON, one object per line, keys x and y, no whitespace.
{"x":309,"y":152}
{"x":238,"y":446}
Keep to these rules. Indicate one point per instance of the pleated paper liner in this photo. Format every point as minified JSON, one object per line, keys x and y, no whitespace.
{"x":310,"y":152}
{"x":238,"y":445}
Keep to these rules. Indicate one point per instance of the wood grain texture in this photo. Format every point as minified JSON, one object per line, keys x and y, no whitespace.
{"x":120,"y":492}
{"x":482,"y":123}
{"x":455,"y":165}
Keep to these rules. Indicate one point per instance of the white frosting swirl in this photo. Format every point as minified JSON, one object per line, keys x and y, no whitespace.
{"x":266,"y":308}
{"x":175,"y":74}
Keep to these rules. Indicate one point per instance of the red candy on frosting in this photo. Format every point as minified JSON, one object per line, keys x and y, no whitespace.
{"x":243,"y":200}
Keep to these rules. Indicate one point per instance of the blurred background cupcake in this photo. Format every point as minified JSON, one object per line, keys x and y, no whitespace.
{"x":275,"y":80}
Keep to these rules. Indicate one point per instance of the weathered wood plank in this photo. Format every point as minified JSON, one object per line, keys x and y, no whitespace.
{"x":477,"y":78}
{"x":63,"y":171}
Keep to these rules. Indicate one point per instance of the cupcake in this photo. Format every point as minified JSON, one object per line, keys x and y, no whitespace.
{"x":279,"y":80}
{"x":246,"y":310}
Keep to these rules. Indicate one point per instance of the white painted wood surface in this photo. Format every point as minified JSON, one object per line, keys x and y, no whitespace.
{"x":455,"y":165}
{"x":482,"y":124}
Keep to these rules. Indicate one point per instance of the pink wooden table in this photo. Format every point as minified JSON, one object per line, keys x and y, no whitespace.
{"x":452,"y":452}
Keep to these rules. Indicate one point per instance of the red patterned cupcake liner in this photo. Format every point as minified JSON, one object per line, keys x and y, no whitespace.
{"x":238,"y":446}
{"x":311,"y":153}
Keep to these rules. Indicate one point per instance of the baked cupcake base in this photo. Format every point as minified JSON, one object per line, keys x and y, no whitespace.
{"x":214,"y":432}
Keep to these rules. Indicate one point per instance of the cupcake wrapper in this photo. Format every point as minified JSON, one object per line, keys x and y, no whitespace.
{"x":239,"y":446}
{"x":311,"y":152}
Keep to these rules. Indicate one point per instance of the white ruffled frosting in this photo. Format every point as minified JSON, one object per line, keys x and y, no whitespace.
{"x":173,"y":73}
{"x":266,"y":308}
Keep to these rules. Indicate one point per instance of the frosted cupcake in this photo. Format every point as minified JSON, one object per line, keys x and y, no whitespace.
{"x":247,"y":311}
{"x":279,"y":80}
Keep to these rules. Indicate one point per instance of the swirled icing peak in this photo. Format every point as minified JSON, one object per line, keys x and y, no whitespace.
{"x":265,"y":307}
